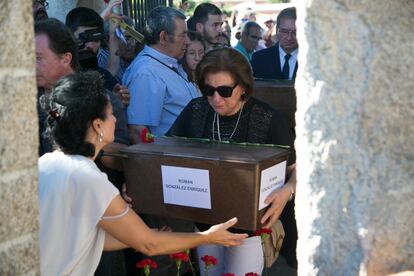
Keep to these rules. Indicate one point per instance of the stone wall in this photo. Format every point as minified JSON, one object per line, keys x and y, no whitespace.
{"x":18,"y":141}
{"x":355,"y":133}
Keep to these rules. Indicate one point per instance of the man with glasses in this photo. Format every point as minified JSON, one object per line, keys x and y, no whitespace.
{"x":250,"y":36}
{"x":279,"y":61}
{"x":158,"y":84}
{"x":39,"y":8}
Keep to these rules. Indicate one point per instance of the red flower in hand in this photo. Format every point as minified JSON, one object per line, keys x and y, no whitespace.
{"x":146,"y":264}
{"x":263,"y":232}
{"x":106,"y":1}
{"x":252,"y":274}
{"x":146,"y":137}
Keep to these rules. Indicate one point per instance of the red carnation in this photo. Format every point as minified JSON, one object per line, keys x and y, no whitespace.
{"x":146,"y":137}
{"x":252,"y":274}
{"x":181,"y":256}
{"x":106,"y":1}
{"x":263,"y":232}
{"x":146,"y":264}
{"x":209,"y":260}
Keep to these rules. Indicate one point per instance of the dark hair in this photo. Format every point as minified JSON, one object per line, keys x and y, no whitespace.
{"x":61,"y":39}
{"x":203,"y":10}
{"x":75,"y":102}
{"x":286,"y":13}
{"x":190,"y":24}
{"x":161,"y":19}
{"x":82,"y":16}
{"x":226,"y":60}
{"x":192,"y":36}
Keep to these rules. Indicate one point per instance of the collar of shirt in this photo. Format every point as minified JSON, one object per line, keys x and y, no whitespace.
{"x":172,"y":62}
{"x":292,"y":61}
{"x":282,"y":55}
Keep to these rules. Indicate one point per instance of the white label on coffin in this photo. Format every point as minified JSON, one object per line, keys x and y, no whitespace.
{"x":271,"y":179}
{"x":186,"y":186}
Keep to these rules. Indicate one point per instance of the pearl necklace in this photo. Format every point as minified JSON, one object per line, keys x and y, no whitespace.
{"x":216,"y":121}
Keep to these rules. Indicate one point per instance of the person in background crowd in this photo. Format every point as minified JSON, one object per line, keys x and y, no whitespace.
{"x":87,"y":26}
{"x":193,"y":54}
{"x":81,"y":212}
{"x":56,"y":57}
{"x":158,"y":83}
{"x":118,"y":55}
{"x":225,"y":28}
{"x":279,"y":61}
{"x":268,"y":36}
{"x":183,"y":7}
{"x":208,"y":20}
{"x":227,"y":112}
{"x":39,"y":8}
{"x":160,"y":89}
{"x":250,"y":36}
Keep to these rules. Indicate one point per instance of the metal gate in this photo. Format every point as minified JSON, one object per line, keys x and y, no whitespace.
{"x":139,"y":9}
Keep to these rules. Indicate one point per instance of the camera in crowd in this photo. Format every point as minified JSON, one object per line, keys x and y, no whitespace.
{"x":87,"y":57}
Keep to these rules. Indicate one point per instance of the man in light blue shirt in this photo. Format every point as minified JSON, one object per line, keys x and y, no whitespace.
{"x":158,"y":84}
{"x":250,"y":36}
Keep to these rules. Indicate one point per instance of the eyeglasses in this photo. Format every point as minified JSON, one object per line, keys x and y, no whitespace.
{"x":224,"y":90}
{"x":287,"y":32}
{"x":44,"y":3}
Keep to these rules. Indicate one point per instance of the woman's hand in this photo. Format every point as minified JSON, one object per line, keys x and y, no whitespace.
{"x":218,"y":234}
{"x":278,"y":199}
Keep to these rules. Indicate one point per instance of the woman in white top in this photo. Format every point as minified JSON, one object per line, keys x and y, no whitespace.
{"x":81,"y":212}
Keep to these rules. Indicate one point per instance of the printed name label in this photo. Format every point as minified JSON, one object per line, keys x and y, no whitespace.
{"x":186,"y":186}
{"x":271,"y":179}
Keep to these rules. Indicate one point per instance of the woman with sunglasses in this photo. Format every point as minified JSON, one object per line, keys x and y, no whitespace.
{"x":227,"y":112}
{"x":81,"y":212}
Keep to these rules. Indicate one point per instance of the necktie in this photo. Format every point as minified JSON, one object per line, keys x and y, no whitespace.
{"x":286,"y":69}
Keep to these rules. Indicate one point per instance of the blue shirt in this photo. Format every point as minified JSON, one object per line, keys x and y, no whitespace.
{"x":159,"y":90}
{"x":239,"y":47}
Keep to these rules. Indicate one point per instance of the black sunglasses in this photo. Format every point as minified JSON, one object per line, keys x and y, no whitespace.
{"x":224,"y":91}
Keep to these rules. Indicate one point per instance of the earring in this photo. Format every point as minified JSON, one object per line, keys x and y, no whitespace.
{"x":100,"y":137}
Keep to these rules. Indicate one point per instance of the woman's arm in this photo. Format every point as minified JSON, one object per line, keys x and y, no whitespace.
{"x":278,"y":198}
{"x":133,"y":232}
{"x":112,"y":244}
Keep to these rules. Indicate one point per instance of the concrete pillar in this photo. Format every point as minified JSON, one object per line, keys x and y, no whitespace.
{"x":355,"y":137}
{"x":19,"y":253}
